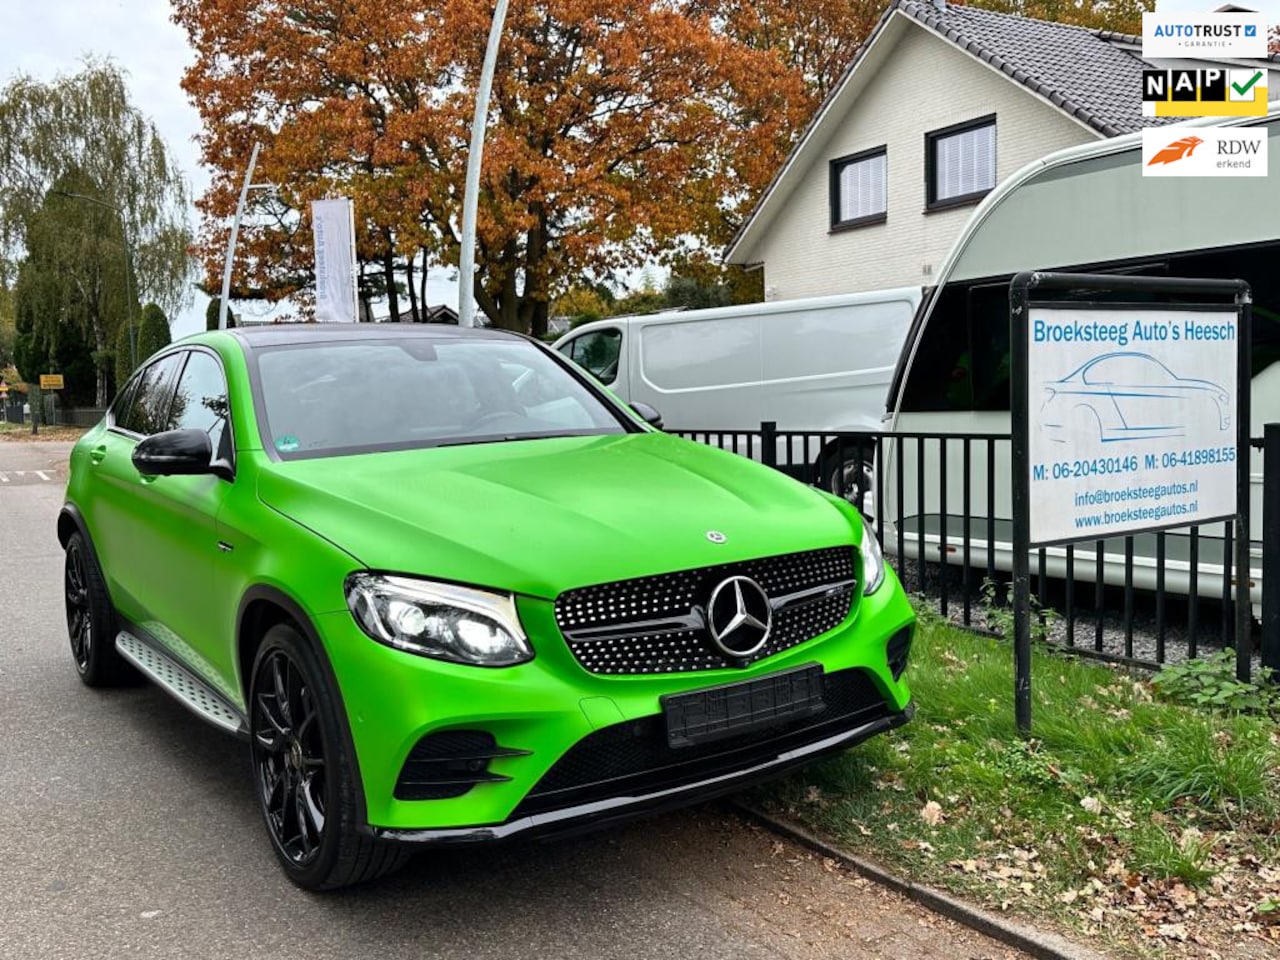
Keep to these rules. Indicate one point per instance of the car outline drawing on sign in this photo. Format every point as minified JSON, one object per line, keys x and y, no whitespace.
{"x":1128,"y":395}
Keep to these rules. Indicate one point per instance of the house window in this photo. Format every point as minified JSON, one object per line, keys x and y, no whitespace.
{"x":860,"y":189}
{"x":960,"y":163}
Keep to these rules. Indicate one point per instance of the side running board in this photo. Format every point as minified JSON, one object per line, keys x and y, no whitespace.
{"x":180,"y":683}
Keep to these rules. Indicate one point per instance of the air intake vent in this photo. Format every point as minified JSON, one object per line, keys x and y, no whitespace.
{"x":448,"y":764}
{"x":898,"y":650}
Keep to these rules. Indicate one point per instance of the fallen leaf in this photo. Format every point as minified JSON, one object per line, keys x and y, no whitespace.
{"x":1092,"y":805}
{"x":932,"y":813}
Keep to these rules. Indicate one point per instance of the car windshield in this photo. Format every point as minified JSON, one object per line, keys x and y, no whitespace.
{"x":393,"y":394}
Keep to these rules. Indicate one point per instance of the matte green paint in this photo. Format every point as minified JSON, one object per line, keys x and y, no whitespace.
{"x":534,"y":517}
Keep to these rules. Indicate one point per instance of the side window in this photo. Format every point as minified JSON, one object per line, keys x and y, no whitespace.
{"x":200,"y":402}
{"x":597,"y":352}
{"x":120,"y":405}
{"x":149,"y":405}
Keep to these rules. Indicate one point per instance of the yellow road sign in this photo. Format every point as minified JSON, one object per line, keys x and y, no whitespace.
{"x":50,"y":381}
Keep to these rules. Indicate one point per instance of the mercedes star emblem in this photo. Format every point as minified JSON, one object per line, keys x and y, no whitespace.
{"x":715,"y":536}
{"x":739,"y":617}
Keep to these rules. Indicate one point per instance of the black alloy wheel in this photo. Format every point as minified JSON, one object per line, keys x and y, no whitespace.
{"x":290,"y":759}
{"x":79,"y":619}
{"x":90,"y":617}
{"x":304,"y":771}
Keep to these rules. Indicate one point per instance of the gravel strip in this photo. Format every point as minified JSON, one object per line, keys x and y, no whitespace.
{"x":1145,"y":641}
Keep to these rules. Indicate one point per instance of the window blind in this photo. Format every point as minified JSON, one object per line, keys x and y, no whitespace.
{"x":964,"y":163}
{"x":863,"y":188}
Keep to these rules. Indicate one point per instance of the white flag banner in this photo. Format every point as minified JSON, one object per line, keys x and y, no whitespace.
{"x":333,"y":225}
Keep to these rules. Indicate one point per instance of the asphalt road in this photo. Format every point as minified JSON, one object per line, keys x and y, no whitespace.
{"x":128,"y":829}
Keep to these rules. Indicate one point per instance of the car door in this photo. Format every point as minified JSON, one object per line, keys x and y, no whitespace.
{"x":179,"y":527}
{"x":112,"y":507}
{"x":172,"y":525}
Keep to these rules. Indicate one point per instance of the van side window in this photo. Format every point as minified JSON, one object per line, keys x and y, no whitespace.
{"x":597,"y":353}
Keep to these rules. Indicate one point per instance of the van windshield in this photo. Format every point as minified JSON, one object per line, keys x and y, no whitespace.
{"x":962,"y":360}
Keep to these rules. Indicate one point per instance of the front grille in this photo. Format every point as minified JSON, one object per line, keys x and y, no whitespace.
{"x":657,"y":624}
{"x":633,"y":758}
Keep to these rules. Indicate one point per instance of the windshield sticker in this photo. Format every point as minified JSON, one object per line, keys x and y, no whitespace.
{"x":287,"y":443}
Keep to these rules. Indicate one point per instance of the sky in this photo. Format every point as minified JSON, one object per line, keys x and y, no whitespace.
{"x":43,"y":38}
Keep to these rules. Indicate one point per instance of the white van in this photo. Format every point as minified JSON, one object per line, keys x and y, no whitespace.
{"x":817,"y":364}
{"x":1084,"y":209}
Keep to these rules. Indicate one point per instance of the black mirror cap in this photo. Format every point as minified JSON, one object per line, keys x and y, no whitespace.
{"x":648,"y":414}
{"x":175,"y":453}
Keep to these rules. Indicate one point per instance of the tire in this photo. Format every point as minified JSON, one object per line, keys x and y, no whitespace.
{"x":91,"y":620}
{"x":303,"y":773}
{"x":846,"y":473}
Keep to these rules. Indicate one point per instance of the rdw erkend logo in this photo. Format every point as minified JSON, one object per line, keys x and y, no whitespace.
{"x":1206,"y":152}
{"x":1178,"y":150}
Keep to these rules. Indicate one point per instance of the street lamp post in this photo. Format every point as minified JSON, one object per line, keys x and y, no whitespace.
{"x":128,"y":264}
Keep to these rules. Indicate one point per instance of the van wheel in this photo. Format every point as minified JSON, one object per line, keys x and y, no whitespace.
{"x":847,"y":473}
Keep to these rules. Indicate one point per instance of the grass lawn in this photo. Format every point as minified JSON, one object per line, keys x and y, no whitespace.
{"x":1141,"y":826}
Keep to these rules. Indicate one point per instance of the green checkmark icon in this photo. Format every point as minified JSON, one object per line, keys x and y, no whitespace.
{"x":1248,"y":86}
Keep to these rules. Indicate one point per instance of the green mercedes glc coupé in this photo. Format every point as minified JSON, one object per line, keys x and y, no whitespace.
{"x":451,"y":590}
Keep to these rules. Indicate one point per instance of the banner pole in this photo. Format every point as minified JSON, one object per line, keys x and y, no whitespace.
{"x":470,"y":195}
{"x":355,"y":272}
{"x":231,"y":240}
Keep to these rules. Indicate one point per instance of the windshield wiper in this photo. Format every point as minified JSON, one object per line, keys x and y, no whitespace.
{"x":509,"y":438}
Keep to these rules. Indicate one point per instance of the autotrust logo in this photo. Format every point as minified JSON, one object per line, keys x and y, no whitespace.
{"x":1178,"y":150}
{"x":739,"y":617}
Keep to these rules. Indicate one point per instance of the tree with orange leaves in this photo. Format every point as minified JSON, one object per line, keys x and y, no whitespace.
{"x":619,"y":129}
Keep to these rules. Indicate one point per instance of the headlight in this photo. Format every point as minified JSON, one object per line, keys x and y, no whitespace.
{"x":872,"y":559}
{"x":440,"y":620}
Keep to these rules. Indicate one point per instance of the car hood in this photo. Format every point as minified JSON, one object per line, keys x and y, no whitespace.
{"x":542,"y":516}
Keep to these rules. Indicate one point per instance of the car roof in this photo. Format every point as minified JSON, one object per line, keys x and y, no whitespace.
{"x":276,"y":334}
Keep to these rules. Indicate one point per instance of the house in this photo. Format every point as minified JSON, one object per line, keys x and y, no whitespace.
{"x":440,"y":313}
{"x":940,"y":104}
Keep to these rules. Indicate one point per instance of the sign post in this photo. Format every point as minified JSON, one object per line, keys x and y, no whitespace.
{"x":1127,"y":417}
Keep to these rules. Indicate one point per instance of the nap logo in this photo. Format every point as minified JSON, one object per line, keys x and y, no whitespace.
{"x":1204,"y":93}
{"x":1204,"y":152}
{"x":1204,"y":35}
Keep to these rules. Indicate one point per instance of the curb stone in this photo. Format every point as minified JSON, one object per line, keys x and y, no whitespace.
{"x":1036,"y":943}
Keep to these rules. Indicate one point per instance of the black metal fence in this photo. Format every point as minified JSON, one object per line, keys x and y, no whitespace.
{"x":54,"y":414}
{"x":940,"y":507}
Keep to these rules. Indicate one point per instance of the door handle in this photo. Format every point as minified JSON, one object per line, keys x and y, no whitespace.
{"x":97,"y":453}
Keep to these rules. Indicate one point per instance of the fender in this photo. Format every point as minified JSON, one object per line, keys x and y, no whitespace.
{"x":70,"y":520}
{"x":279,"y":598}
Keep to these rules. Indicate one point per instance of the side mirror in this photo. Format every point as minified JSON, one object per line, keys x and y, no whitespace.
{"x":175,"y":453}
{"x":649,"y":415}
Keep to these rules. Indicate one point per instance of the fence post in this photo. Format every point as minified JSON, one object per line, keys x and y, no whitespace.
{"x":1270,"y":546}
{"x":769,"y":443}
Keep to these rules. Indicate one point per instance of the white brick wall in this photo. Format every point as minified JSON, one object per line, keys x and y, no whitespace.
{"x":926,"y":84}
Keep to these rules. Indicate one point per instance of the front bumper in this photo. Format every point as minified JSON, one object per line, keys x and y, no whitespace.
{"x":603,"y":813}
{"x":542,"y":710}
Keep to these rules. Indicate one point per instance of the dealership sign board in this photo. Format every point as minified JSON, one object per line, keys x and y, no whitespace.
{"x":1131,"y":419}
